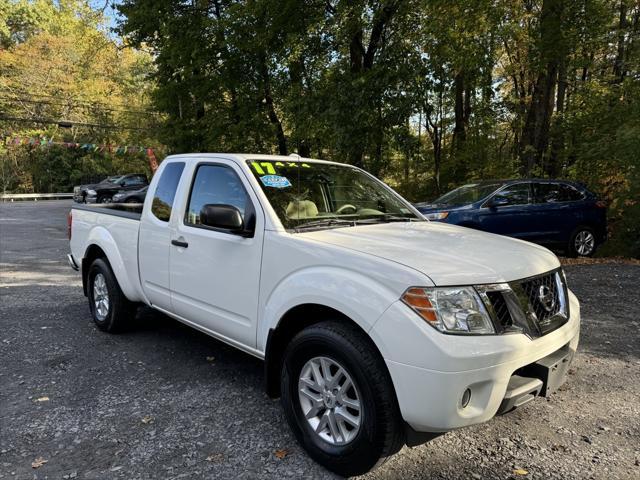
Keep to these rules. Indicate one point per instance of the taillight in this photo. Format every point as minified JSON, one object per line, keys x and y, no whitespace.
{"x":601,"y":204}
{"x":69,"y":222}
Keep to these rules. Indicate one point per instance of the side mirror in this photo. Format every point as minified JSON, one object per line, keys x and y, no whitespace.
{"x":499,"y":201}
{"x":222,"y":216}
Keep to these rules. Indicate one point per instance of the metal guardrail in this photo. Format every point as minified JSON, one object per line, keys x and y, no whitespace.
{"x":10,"y":197}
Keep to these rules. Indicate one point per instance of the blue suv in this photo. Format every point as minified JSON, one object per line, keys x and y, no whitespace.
{"x":554,"y":213}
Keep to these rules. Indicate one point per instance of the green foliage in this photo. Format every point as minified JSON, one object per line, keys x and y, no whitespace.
{"x":424,"y":93}
{"x":58,"y":64}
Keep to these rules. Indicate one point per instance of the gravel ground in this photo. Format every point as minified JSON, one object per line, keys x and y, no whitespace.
{"x":164,"y":401}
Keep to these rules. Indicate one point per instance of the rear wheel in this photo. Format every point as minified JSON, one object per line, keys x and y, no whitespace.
{"x":110,"y":309}
{"x":339,"y":400}
{"x":582,"y":243}
{"x":104,"y":198}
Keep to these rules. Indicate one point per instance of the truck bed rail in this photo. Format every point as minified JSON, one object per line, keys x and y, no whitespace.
{"x":125,"y":210}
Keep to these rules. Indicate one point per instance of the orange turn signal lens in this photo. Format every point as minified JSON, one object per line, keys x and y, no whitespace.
{"x":418,"y":300}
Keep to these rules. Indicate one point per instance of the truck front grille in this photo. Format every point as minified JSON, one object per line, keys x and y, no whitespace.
{"x":500,"y":308}
{"x":543,"y":295}
{"x":534,"y":306}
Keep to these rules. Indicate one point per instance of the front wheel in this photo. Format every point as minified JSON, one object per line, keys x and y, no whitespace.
{"x":339,"y":400}
{"x":582,"y":243}
{"x":104,"y":198}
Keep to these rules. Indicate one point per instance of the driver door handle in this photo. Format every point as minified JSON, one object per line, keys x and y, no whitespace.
{"x":180,"y":244}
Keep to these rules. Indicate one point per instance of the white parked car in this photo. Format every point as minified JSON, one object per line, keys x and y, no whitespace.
{"x":377,"y":327}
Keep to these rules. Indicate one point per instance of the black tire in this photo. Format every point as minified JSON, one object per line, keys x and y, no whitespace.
{"x":576,"y":245}
{"x":104,"y":198}
{"x":380,"y":434}
{"x":120,"y":310}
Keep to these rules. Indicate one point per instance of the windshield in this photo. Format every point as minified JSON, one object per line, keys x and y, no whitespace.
{"x":113,"y":179}
{"x":321,"y":195}
{"x":469,"y":193}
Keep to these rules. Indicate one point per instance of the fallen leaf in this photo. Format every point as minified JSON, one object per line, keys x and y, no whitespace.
{"x":147,"y":419}
{"x":520,"y":471}
{"x":215,"y":458}
{"x":42,"y":399}
{"x":38,"y":462}
{"x":281,"y":453}
{"x":210,"y":359}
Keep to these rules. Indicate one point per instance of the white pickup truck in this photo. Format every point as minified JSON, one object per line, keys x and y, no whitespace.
{"x":377,"y":327}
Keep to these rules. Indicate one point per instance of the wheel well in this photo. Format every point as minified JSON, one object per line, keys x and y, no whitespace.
{"x":90,"y":255}
{"x":292,"y":322}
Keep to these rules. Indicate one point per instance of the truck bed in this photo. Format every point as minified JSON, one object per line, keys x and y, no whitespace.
{"x":114,"y":228}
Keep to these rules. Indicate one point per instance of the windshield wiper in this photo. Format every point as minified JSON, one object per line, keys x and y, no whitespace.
{"x":387,"y":218}
{"x":325,"y":222}
{"x":397,"y":218}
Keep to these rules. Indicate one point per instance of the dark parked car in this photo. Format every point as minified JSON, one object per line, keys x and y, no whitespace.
{"x":103,"y":192}
{"x":558,"y":214}
{"x":135,"y":196}
{"x":80,"y":191}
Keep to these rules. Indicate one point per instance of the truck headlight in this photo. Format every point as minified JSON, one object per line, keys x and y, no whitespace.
{"x":91,"y":192}
{"x":436,"y":215}
{"x":456,"y":310}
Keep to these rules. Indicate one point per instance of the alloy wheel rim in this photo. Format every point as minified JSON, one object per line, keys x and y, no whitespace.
{"x":100,"y":297}
{"x":585,"y":242}
{"x":330,"y":400}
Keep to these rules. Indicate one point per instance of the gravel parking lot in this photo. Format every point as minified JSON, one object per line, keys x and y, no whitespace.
{"x":165,"y":401}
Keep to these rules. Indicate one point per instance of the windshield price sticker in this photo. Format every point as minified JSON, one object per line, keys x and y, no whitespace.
{"x":262,"y":168}
{"x":275,"y":181}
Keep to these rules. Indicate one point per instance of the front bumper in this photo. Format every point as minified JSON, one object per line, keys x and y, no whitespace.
{"x":91,"y":199}
{"x":431,"y":371}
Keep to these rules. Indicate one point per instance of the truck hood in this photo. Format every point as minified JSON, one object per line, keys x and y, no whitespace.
{"x":447,"y":254}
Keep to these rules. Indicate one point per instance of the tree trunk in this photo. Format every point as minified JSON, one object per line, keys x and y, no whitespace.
{"x":362,"y":60}
{"x":356,"y":52}
{"x":304,"y":150}
{"x":553,"y":167}
{"x":619,"y":69}
{"x":435,"y":133}
{"x":459,"y":130}
{"x":535,"y":134}
{"x":376,"y":166}
{"x":271,"y":111}
{"x":437,"y":159}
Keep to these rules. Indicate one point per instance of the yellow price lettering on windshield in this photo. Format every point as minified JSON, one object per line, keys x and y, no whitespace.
{"x":256,"y":166}
{"x":268,"y":166}
{"x":263,"y":168}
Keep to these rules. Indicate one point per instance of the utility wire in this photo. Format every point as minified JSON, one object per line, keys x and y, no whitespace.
{"x":70,"y":123}
{"x":16,"y":91}
{"x":79,"y":104}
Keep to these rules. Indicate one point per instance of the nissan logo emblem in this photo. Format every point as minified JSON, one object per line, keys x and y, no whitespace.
{"x":546,"y":298}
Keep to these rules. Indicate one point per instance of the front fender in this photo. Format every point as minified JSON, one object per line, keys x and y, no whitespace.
{"x":353,"y":294}
{"x":127,"y":278}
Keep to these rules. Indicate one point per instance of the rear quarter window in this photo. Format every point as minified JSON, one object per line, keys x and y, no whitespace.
{"x":557,"y":192}
{"x":165,"y":193}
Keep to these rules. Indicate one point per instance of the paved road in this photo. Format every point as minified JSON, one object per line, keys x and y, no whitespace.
{"x":164,"y":401}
